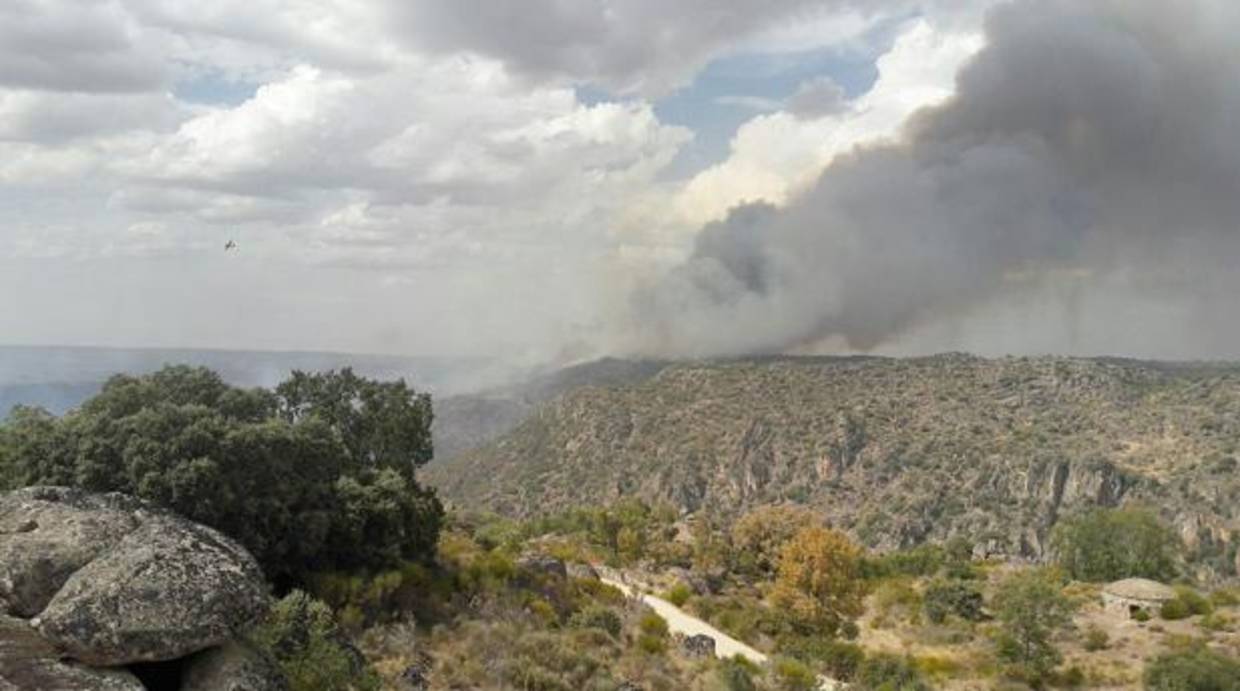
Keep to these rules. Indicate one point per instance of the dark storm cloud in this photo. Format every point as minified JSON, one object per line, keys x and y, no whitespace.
{"x":1092,"y":138}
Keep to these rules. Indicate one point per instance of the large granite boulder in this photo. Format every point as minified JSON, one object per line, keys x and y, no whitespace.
{"x":47,"y":533}
{"x":168,"y":589}
{"x":232,"y":667}
{"x":28,"y":662}
{"x":109,"y":580}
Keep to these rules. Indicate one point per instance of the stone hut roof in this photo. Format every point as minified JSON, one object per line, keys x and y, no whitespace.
{"x":1140,"y":589}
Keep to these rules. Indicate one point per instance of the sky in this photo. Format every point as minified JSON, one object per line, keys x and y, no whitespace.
{"x":548,"y":181}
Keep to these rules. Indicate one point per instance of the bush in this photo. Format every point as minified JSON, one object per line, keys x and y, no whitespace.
{"x":1096,"y":639}
{"x":596,"y":617}
{"x":651,"y":645}
{"x":1194,"y":601}
{"x":945,"y":597}
{"x":1195,"y":669}
{"x":1217,"y":621}
{"x":886,"y":672}
{"x":301,"y":635}
{"x":736,"y":674}
{"x":678,"y":594}
{"x":838,"y":659}
{"x":1141,"y":615}
{"x":1225,"y":597}
{"x":651,"y":624}
{"x":924,"y":560}
{"x":1071,"y":678}
{"x":1173,"y":610}
{"x":793,"y":675}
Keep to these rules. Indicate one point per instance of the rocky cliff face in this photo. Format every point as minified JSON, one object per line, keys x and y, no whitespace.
{"x":896,"y":451}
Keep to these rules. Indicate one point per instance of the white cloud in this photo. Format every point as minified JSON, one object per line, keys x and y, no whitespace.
{"x":416,"y":160}
{"x":88,"y":45}
{"x":773,"y":155}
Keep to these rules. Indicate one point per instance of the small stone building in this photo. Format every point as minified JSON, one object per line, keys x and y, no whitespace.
{"x":1135,"y":594}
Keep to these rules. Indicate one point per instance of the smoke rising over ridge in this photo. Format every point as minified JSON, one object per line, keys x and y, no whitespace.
{"x":1091,"y":148}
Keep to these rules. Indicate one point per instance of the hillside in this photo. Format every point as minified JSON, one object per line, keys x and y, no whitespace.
{"x":896,"y":451}
{"x":468,"y":421}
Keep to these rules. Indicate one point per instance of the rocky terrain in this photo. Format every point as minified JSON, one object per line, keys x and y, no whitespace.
{"x":467,"y":421}
{"x":107,"y":592}
{"x":895,"y":451}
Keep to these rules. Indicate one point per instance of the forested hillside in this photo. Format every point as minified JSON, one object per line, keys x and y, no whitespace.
{"x":896,"y":451}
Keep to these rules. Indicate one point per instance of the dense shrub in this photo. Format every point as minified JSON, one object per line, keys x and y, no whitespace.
{"x":947,"y":597}
{"x":1173,"y":610}
{"x":925,"y":560}
{"x":678,"y":594}
{"x":1225,"y":597}
{"x":1195,"y":669}
{"x":1110,"y":544}
{"x":1194,"y":602}
{"x":595,"y":617}
{"x":1096,"y":639}
{"x":316,"y":476}
{"x":837,"y":659}
{"x":793,"y":675}
{"x":302,"y":636}
{"x":652,"y":624}
{"x":737,"y":674}
{"x":885,"y":672}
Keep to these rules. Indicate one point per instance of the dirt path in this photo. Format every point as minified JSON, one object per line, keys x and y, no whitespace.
{"x":678,"y":621}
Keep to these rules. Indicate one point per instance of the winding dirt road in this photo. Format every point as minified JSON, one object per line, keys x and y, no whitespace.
{"x":678,"y":621}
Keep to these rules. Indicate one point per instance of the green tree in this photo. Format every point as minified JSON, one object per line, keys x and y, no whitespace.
{"x":31,"y":446}
{"x":286,"y":486}
{"x":944,"y":597}
{"x":1110,"y":544}
{"x":382,"y":424}
{"x":1197,"y":668}
{"x":1031,"y":607}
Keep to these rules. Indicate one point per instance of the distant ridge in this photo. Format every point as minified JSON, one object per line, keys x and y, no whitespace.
{"x":60,"y":377}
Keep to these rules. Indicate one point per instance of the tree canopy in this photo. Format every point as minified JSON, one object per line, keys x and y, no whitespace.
{"x":317,"y":475}
{"x":819,"y":581}
{"x":1110,"y":544}
{"x":1030,"y":607}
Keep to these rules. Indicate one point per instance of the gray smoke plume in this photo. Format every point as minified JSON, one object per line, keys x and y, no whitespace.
{"x":1096,"y":143}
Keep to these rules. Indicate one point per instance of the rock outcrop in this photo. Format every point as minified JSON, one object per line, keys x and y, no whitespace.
{"x":232,"y":667}
{"x":28,"y":662}
{"x":168,"y":589}
{"x":46,"y":534}
{"x":90,"y":584}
